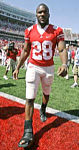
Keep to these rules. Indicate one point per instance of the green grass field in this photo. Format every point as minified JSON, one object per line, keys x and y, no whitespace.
{"x":62,"y":96}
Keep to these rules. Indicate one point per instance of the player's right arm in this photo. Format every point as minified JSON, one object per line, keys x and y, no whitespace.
{"x":23,"y":57}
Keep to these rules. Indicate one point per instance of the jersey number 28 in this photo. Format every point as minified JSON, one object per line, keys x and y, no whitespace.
{"x":42,"y":51}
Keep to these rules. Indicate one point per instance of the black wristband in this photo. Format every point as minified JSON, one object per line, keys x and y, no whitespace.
{"x":61,"y":51}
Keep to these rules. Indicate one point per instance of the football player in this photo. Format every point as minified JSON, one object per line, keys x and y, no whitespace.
{"x":40,"y":42}
{"x":11,"y":54}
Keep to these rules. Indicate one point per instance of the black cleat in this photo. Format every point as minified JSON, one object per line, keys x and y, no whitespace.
{"x":43,"y":115}
{"x":27,"y":138}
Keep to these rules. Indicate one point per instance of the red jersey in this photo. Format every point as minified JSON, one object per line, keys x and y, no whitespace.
{"x":19,"y":52}
{"x":43,"y":43}
{"x":12,"y":55}
{"x":73,"y":54}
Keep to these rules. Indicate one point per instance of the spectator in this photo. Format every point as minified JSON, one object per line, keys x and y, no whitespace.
{"x":76,"y":69}
{"x":72,"y":57}
{"x":11,"y":59}
{"x":3,"y":57}
{"x":18,"y":55}
{"x":69,"y":60}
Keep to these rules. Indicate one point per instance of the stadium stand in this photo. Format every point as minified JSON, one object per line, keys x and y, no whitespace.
{"x":70,"y":37}
{"x":13,"y":21}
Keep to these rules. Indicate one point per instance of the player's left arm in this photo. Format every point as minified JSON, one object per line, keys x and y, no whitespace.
{"x":62,"y":70}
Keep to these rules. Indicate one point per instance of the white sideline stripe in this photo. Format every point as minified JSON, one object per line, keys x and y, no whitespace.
{"x":49,"y":110}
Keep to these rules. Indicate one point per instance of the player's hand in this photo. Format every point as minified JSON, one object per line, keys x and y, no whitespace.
{"x":15,"y":74}
{"x":62,"y":71}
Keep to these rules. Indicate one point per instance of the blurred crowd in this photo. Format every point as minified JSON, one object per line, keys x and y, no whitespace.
{"x":73,"y":59}
{"x":12,"y":27}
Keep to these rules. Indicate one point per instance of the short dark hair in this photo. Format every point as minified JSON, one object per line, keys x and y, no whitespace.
{"x":42,"y":4}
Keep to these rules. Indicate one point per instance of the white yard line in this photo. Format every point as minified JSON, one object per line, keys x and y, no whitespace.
{"x":49,"y":110}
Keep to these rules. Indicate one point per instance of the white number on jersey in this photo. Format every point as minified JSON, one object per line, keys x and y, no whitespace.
{"x":46,"y":47}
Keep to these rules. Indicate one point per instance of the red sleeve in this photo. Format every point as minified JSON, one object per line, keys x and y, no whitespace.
{"x":60,"y":34}
{"x":27,"y":38}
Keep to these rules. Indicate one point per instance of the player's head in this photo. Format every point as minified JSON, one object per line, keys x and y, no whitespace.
{"x":42,"y":14}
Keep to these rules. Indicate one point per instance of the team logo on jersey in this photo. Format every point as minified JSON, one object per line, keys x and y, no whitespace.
{"x":48,"y":36}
